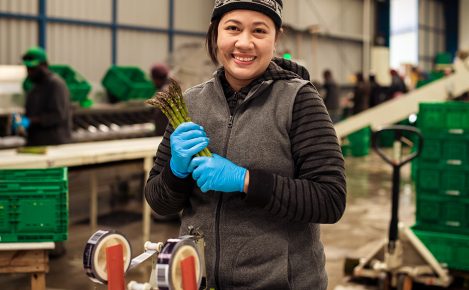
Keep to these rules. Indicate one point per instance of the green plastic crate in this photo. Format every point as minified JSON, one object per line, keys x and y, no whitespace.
{"x":444,"y":116}
{"x":50,"y":174}
{"x":445,"y":213}
{"x":36,"y":187}
{"x":452,"y":150}
{"x":431,"y":116}
{"x":77,"y":85}
{"x":443,"y":180}
{"x":34,"y":214}
{"x":450,"y":249}
{"x":360,"y":142}
{"x":443,"y":58}
{"x":33,"y":205}
{"x":457,"y":115}
{"x":50,"y":219}
{"x":127,"y":83}
{"x":4,"y":215}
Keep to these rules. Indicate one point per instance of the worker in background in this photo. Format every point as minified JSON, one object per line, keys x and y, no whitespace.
{"x":376,"y":92}
{"x":397,"y":87}
{"x":331,"y":96}
{"x":276,"y":172}
{"x":160,"y":76}
{"x":47,"y":119}
{"x":361,"y":94}
{"x":48,"y":110}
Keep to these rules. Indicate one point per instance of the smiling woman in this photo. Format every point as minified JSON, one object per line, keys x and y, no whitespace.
{"x":276,"y":171}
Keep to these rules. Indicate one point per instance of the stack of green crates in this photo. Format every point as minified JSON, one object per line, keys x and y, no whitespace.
{"x":442,"y":179}
{"x":33,"y":205}
{"x":77,"y":85}
{"x":127,"y":83}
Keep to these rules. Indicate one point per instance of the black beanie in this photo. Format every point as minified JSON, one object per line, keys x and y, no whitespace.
{"x":271,"y":8}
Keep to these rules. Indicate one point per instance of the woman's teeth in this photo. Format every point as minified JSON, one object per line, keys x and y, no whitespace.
{"x":244,"y":58}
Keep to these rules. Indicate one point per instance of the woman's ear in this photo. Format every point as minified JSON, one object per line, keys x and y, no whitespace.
{"x":278,"y":34}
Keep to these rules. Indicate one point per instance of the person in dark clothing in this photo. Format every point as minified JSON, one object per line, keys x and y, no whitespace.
{"x":160,"y":76}
{"x":277,"y":170}
{"x":397,"y":86}
{"x":376,"y":92}
{"x":361,"y":94}
{"x":331,"y":96}
{"x":48,"y":110}
{"x":47,"y":103}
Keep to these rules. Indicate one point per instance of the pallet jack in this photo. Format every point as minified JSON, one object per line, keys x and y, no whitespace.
{"x":401,"y":259}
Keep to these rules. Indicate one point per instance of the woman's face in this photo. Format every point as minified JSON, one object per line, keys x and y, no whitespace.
{"x":245,"y":43}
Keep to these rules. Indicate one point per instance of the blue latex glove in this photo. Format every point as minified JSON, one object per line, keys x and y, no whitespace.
{"x":19,"y":122}
{"x":187,"y":140}
{"x":217,"y":173}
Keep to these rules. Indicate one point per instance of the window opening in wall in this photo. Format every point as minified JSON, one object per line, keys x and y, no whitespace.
{"x":404,"y":32}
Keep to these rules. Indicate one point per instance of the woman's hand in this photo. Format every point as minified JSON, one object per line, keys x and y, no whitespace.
{"x":218,"y":173}
{"x":187,"y":140}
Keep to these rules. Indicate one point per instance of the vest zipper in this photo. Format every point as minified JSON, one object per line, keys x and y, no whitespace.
{"x":217,"y":214}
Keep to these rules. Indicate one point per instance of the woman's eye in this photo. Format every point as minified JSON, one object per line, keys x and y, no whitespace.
{"x":259,"y":30}
{"x":234,"y":28}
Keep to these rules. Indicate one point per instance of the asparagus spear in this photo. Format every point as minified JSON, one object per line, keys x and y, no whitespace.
{"x":172,"y":105}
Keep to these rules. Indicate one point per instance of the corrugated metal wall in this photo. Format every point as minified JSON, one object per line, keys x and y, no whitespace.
{"x":15,"y":37}
{"x":87,"y":50}
{"x":343,"y":17}
{"x":338,"y":40}
{"x":431,"y":32}
{"x":80,"y":33}
{"x":152,"y":13}
{"x":22,"y":6}
{"x":192,"y":15}
{"x":464,"y":25}
{"x":141,"y":48}
{"x":82,"y":10}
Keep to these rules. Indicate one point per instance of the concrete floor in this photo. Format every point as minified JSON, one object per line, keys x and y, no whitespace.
{"x":366,"y":219}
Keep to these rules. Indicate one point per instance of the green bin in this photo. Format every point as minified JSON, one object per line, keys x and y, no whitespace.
{"x":127,"y":83}
{"x":451,"y":249}
{"x":360,"y":142}
{"x":33,"y":205}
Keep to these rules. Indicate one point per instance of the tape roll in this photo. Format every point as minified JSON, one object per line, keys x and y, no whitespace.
{"x":168,"y":267}
{"x":94,"y":255}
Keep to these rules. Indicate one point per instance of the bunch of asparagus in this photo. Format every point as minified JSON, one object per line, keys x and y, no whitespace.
{"x":171,"y":103}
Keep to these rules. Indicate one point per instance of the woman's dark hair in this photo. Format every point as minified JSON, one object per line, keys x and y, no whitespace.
{"x":211,"y":40}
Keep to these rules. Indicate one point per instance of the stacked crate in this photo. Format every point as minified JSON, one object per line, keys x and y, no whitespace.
{"x":359,"y":142}
{"x":127,"y":83}
{"x":33,"y":205}
{"x":442,"y":179}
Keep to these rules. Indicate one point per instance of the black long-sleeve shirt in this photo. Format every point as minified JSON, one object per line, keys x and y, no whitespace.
{"x":48,"y":105}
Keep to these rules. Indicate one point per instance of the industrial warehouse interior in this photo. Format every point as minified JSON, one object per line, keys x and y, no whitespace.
{"x":234,"y":144}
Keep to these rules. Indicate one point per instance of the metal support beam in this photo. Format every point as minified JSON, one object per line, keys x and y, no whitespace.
{"x":171,"y":27}
{"x":451,"y":12}
{"x":114,"y":33}
{"x":42,"y":23}
{"x":382,"y":22}
{"x":366,"y":37}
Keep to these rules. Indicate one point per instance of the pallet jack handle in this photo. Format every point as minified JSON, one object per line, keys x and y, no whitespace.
{"x":401,"y":134}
